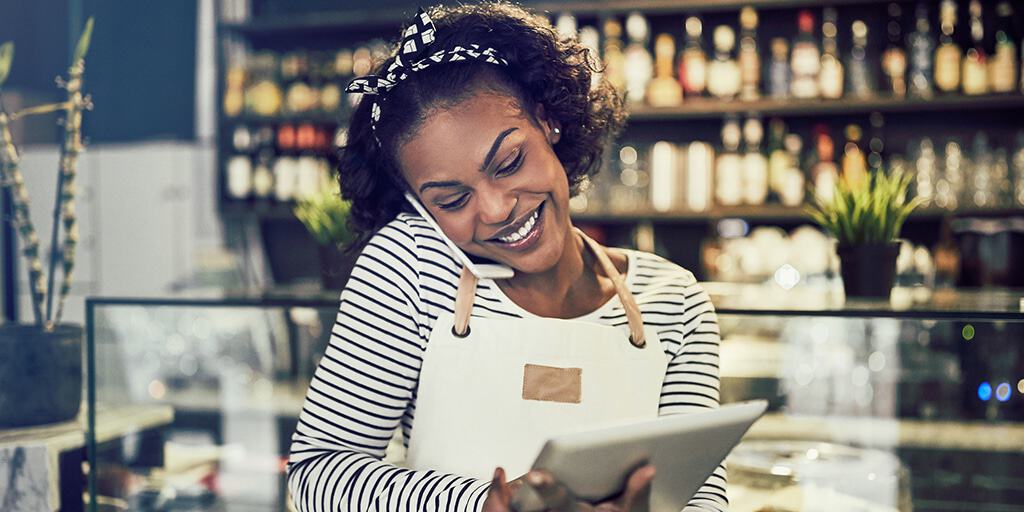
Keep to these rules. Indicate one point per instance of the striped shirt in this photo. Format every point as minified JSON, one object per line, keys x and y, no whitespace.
{"x":365,"y":385}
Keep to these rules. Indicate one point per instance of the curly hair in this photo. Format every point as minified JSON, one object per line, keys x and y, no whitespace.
{"x":543,"y":69}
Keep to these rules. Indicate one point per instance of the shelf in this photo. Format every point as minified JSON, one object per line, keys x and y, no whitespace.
{"x":256,"y":210}
{"x":770,"y":213}
{"x":384,"y":19}
{"x":316,"y":118}
{"x":711,"y":109}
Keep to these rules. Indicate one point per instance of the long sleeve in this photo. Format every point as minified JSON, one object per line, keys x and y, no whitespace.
{"x":692,"y":384}
{"x":361,"y":392}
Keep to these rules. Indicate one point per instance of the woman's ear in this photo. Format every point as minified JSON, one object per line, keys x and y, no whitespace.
{"x":552,"y":128}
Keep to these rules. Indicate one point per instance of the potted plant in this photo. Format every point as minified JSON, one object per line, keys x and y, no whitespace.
{"x":325,"y":215}
{"x":41,"y":362}
{"x":865,"y":218}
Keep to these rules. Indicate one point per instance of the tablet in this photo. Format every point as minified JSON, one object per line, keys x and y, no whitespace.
{"x":685,"y":449}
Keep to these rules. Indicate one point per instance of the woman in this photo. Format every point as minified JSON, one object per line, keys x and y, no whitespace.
{"x":490,"y":121}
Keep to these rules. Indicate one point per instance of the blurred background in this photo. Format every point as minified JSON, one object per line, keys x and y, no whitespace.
{"x":210,"y":152}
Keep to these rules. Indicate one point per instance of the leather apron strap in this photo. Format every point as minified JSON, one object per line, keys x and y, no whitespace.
{"x":467,"y":291}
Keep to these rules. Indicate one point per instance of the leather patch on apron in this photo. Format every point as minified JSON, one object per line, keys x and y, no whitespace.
{"x":552,"y":384}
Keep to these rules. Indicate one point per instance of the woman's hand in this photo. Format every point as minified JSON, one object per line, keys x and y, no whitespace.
{"x":558,"y":498}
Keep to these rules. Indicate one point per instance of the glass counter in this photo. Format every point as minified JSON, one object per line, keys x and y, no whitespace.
{"x":916,"y":403}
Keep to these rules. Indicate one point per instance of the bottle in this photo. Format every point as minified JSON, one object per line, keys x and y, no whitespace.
{"x":975,"y":62}
{"x":981,"y":190}
{"x":825,"y":173}
{"x":830,"y":79}
{"x":700,"y":158}
{"x":238,"y":181}
{"x":693,"y":62}
{"x":1002,"y":68}
{"x":749,"y":61}
{"x":664,"y":90}
{"x":724,"y":71}
{"x":263,"y":97}
{"x":948,"y":53}
{"x":614,"y":60}
{"x":234,"y":91}
{"x":729,"y":166}
{"x":565,"y":25}
{"x":926,"y":171}
{"x":329,"y":85}
{"x":1001,"y":183}
{"x":286,"y":173}
{"x":639,"y":65}
{"x":950,"y":186}
{"x":855,"y":169}
{"x":921,"y":44}
{"x":861,"y":77}
{"x":755,"y":164}
{"x":1018,"y":171}
{"x":300,"y":97}
{"x":792,"y":193}
{"x":876,"y":144}
{"x":664,"y":175}
{"x":805,"y":59}
{"x":591,"y":39}
{"x":894,"y":58}
{"x":778,"y":69}
{"x":262,"y":177}
{"x":778,"y":158}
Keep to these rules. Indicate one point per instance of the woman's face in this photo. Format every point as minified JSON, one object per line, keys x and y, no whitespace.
{"x":491,"y":179}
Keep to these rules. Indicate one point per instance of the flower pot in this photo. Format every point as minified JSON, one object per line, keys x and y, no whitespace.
{"x":868,"y":270}
{"x":40,"y":374}
{"x":335,"y":267}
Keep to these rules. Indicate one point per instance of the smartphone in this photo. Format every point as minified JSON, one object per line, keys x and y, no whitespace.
{"x":482,"y":268}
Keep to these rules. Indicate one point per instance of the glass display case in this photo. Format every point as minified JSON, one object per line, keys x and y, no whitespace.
{"x":916,"y":403}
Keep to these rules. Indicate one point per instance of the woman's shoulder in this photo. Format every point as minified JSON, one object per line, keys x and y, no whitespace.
{"x":654,"y":269}
{"x":411,"y":238}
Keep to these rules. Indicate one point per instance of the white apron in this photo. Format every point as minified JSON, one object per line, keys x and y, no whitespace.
{"x":493,"y":397}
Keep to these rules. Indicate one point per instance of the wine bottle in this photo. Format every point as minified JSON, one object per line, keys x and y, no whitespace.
{"x":749,"y":61}
{"x":262,"y":177}
{"x":693,"y":62}
{"x":855,"y":169}
{"x":724,"y":72}
{"x":614,"y":60}
{"x":948,"y":53}
{"x":700,"y":158}
{"x":778,"y":69}
{"x":755,"y":164}
{"x":664,"y":173}
{"x":861,"y":77}
{"x":591,"y":39}
{"x":565,"y":25}
{"x":1002,"y":68}
{"x":831,"y":77}
{"x":825,"y":173}
{"x":926,"y":175}
{"x":805,"y":59}
{"x":975,"y":61}
{"x":664,"y":90}
{"x":792,"y":193}
{"x":921,"y":44}
{"x":729,"y":166}
{"x":238,"y":181}
{"x":894,"y":59}
{"x":778,"y":158}
{"x":639,"y":64}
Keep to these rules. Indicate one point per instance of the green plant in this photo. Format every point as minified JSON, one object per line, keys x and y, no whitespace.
{"x":325,"y":215}
{"x":62,"y":251}
{"x":870,"y":211}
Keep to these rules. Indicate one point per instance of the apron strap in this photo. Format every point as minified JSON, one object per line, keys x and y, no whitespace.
{"x":467,"y":291}
{"x":636,"y":323}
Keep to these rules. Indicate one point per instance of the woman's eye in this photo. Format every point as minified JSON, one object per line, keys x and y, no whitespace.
{"x":456,"y":204}
{"x":512,"y":167}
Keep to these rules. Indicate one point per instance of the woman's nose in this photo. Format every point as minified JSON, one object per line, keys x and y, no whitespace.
{"x":496,"y":205}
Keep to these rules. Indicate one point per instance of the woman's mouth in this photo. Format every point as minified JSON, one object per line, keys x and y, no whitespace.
{"x":527,"y":234}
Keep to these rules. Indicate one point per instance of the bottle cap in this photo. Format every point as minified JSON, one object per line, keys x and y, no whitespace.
{"x":725,"y":38}
{"x":694,"y":27}
{"x":636,"y":27}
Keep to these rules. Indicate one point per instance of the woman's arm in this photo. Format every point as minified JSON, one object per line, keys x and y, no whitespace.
{"x":691,"y":383}
{"x":360,"y":393}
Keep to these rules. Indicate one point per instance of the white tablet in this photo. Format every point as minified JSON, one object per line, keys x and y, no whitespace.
{"x":685,"y":449}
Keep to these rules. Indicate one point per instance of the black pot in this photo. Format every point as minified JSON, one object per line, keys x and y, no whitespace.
{"x":335,"y":267}
{"x":40,"y":374}
{"x":868,"y":270}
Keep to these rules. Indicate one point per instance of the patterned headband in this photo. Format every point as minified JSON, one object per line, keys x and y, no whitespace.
{"x":412,"y":56}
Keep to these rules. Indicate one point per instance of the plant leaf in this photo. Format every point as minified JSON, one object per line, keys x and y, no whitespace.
{"x":83,"y":42}
{"x":6,"y":58}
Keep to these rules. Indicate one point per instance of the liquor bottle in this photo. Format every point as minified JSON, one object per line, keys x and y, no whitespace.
{"x":921,"y":44}
{"x":262,"y":177}
{"x":981,"y":191}
{"x":805,"y":59}
{"x":749,"y":61}
{"x":238,"y":181}
{"x":830,"y":80}
{"x":591,"y":39}
{"x":664,"y":90}
{"x":300,"y":96}
{"x":1001,"y":183}
{"x":975,"y":67}
{"x":700,"y":164}
{"x":876,"y":144}
{"x":329,"y":85}
{"x":565,"y":24}
{"x":825,"y":173}
{"x":894,"y":58}
{"x":1018,"y":171}
{"x":665,"y":189}
{"x":1002,"y":68}
{"x":234,"y":91}
{"x":755,"y":164}
{"x":926,"y":171}
{"x":792,"y":193}
{"x":724,"y":71}
{"x":286,"y":173}
{"x":861,"y":77}
{"x":362,"y":63}
{"x":614,"y":59}
{"x":693,"y":62}
{"x":949,"y":190}
{"x":263,"y":96}
{"x":855,"y":169}
{"x":778,"y":69}
{"x":947,"y":54}
{"x":778,"y":158}
{"x":639,"y":66}
{"x":729,"y":166}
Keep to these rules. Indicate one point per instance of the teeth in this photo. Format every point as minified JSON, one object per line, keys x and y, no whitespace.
{"x":523,"y":231}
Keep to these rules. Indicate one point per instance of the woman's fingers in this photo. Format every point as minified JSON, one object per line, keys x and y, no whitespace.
{"x":498,"y":494}
{"x":638,"y":489}
{"x":556,"y":496}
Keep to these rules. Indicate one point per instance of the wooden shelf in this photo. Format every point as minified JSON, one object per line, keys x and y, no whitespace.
{"x":368,"y":20}
{"x":703,"y":108}
{"x":769,"y":214}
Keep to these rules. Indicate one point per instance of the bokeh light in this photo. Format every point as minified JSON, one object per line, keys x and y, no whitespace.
{"x":985,"y":391}
{"x":1003,"y":391}
{"x":968,"y":332}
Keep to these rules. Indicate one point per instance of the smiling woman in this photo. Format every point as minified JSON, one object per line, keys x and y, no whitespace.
{"x":486,"y":117}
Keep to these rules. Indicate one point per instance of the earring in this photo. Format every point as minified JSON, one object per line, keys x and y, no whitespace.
{"x":557,"y":131}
